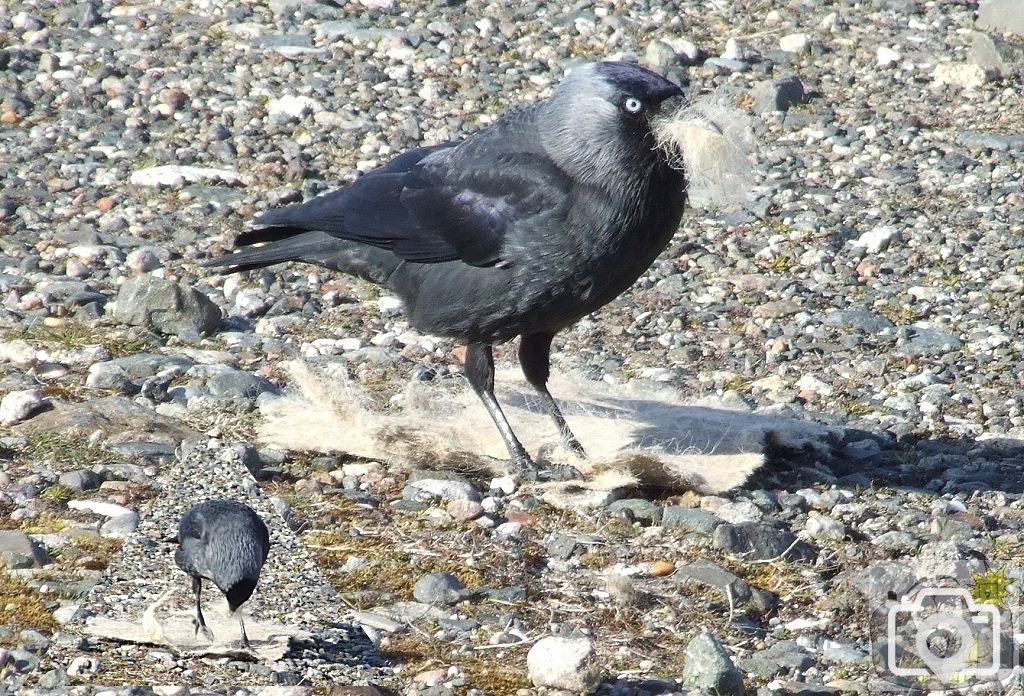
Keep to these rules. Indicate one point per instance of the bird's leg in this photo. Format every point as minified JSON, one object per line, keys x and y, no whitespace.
{"x":535,"y":361}
{"x":199,"y":623}
{"x":479,"y":370}
{"x":241,"y":625}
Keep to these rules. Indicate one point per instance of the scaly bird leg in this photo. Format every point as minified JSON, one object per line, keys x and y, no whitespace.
{"x":199,"y":623}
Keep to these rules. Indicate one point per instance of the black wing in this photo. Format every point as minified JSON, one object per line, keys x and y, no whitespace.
{"x":428,"y":205}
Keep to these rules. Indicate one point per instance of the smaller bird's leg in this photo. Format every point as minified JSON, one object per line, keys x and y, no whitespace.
{"x":241,"y":625}
{"x":479,"y":370}
{"x":199,"y":623}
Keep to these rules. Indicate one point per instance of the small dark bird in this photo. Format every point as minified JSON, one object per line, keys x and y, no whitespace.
{"x":226,"y":542}
{"x":519,"y":230}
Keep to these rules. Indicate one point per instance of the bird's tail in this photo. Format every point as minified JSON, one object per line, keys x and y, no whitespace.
{"x":267,"y":246}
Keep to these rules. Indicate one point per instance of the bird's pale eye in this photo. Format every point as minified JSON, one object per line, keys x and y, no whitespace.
{"x":632,"y":105}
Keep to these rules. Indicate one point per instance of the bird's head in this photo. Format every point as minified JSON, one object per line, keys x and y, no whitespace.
{"x":239,"y":592}
{"x":599,"y":118}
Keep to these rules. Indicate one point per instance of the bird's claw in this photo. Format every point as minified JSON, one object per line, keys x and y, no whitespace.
{"x":559,"y":472}
{"x":199,"y":626}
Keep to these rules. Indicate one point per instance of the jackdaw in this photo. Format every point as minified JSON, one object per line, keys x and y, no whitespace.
{"x":519,"y":230}
{"x":226,"y":542}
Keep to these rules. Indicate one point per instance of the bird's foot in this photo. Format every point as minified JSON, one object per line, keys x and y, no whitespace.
{"x":530,"y":471}
{"x":558,"y":472}
{"x":202,"y":627}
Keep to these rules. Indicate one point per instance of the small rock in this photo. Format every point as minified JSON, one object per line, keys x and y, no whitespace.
{"x":689,"y":519}
{"x":825,"y":527}
{"x":777,"y":95}
{"x":463,"y":509}
{"x":876,"y":239}
{"x":886,"y":56}
{"x":18,"y":550}
{"x":567,"y":663}
{"x":440,"y":588}
{"x":964,"y":76}
{"x":561,"y":546}
{"x":660,"y":569}
{"x":17,"y":406}
{"x":179,"y":175}
{"x":83,"y":666}
{"x":760,"y":541}
{"x":784,"y":657}
{"x":291,"y":106}
{"x":168,"y":307}
{"x":80,"y":480}
{"x":446,"y":489}
{"x":24,"y":661}
{"x":121,"y":526}
{"x":639,"y":509}
{"x":795,"y":43}
{"x":709,"y":666}
{"x":1002,"y":16}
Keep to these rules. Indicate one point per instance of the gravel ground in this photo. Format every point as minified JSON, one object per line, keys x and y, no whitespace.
{"x":871,"y":284}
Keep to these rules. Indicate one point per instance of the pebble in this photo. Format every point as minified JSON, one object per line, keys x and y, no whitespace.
{"x":440,"y":588}
{"x":18,"y":550}
{"x":560,"y":662}
{"x":16,"y":406}
{"x":171,"y":308}
{"x":759,"y":541}
{"x":708,"y":665}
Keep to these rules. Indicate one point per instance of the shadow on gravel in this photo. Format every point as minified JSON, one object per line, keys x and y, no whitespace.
{"x":867,"y":459}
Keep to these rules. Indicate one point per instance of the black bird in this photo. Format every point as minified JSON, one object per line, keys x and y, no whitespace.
{"x":519,"y":230}
{"x":226,"y":542}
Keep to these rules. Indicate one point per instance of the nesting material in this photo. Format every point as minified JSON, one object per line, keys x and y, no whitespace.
{"x":172,"y":628}
{"x":712,"y":142}
{"x":633,"y":435}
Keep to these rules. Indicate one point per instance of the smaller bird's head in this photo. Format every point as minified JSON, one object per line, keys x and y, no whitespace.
{"x":597,"y":123}
{"x":239,"y":592}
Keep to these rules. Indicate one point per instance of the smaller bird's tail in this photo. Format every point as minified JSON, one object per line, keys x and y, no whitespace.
{"x":271,"y":245}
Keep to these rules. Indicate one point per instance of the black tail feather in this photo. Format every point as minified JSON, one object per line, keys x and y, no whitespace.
{"x":272,"y":245}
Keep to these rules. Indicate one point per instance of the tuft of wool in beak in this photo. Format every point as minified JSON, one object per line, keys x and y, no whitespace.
{"x":712,"y":143}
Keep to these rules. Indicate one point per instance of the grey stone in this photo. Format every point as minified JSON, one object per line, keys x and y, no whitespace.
{"x":760,"y":541}
{"x":858,"y":320}
{"x":121,"y":526}
{"x":922,"y":341}
{"x":229,"y":382}
{"x":143,"y":365}
{"x":994,"y":53}
{"x":165,"y":306}
{"x":778,"y":94}
{"x":709,"y":666}
{"x":80,"y":480}
{"x":561,"y":546}
{"x":440,"y":588}
{"x":19,"y":550}
{"x":435,"y":485}
{"x":991,"y":141}
{"x":783,"y":657}
{"x":1003,"y":16}
{"x":640,"y":509}
{"x":116,"y":417}
{"x":689,"y":519}
{"x":110,"y":377}
{"x":881,"y":580}
{"x":53,"y":679}
{"x":731,"y":586}
{"x":24,"y":661}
